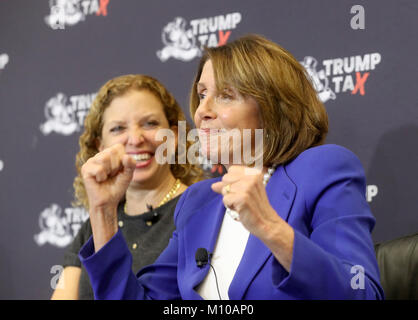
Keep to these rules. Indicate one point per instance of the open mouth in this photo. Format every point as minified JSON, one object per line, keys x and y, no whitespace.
{"x":142,"y":159}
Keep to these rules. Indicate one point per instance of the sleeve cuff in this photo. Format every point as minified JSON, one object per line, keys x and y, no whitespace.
{"x":317,"y":274}
{"x":313,"y":272}
{"x":71,"y":259}
{"x":105,"y":261}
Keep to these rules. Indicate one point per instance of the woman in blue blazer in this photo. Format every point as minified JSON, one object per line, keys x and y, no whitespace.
{"x":295,"y":227}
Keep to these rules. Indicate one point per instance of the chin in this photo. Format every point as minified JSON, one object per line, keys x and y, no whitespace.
{"x":141,"y":177}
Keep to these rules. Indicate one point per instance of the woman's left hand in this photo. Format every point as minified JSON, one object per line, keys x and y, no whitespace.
{"x":247,"y":195}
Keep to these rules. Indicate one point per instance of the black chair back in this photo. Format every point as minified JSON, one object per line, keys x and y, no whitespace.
{"x":398,"y":264}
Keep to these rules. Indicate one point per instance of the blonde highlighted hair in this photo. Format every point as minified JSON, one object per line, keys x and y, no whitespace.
{"x":293,"y":117}
{"x":93,"y":125}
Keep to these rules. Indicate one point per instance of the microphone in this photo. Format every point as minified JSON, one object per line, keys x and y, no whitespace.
{"x":202,"y":257}
{"x":155,"y":216}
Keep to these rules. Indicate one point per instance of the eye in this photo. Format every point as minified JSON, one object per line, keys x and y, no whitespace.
{"x":225,"y":96}
{"x":116,"y":128}
{"x":201,"y":96}
{"x":151,"y":124}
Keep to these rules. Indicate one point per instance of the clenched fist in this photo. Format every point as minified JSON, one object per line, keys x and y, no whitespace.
{"x":106,"y":178}
{"x":107,"y":175}
{"x":246,"y":194}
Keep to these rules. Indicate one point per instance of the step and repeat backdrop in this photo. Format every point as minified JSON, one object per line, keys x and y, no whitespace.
{"x":362,"y":57}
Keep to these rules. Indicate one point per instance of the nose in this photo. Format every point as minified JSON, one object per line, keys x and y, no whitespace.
{"x":135,"y":136}
{"x":205,"y":111}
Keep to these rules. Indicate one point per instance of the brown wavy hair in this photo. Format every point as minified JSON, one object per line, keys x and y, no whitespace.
{"x":293,"y":117}
{"x":93,"y":125}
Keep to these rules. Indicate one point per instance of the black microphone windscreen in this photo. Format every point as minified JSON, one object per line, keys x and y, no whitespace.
{"x":201,"y":257}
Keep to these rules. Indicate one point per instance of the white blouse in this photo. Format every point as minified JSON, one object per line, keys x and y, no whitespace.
{"x":229,"y":249}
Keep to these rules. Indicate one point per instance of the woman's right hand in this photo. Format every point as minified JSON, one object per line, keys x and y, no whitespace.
{"x":106,"y":177}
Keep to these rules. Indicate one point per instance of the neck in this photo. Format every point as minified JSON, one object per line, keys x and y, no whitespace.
{"x":138,"y":196}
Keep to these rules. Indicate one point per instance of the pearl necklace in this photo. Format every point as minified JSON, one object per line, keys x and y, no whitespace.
{"x":266,"y":177}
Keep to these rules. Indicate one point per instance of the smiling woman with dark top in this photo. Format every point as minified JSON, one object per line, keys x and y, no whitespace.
{"x":125,"y":117}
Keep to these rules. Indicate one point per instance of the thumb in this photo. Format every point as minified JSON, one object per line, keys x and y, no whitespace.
{"x":128,"y":167}
{"x":217,"y":186}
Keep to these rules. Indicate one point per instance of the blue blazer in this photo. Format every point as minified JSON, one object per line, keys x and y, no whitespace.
{"x":321,"y":194}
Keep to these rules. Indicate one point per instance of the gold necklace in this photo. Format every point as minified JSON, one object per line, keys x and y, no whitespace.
{"x":167,"y":197}
{"x":171,"y":193}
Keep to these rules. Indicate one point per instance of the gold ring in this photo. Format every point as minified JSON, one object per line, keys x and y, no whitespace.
{"x":227,"y":188}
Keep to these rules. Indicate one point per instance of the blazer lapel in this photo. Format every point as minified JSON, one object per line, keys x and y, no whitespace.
{"x":202,"y":232}
{"x":281,"y":192}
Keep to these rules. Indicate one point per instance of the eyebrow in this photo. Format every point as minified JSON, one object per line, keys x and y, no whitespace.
{"x":200,"y":85}
{"x":149,"y":115}
{"x":116,"y":121}
{"x":143,"y":117}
